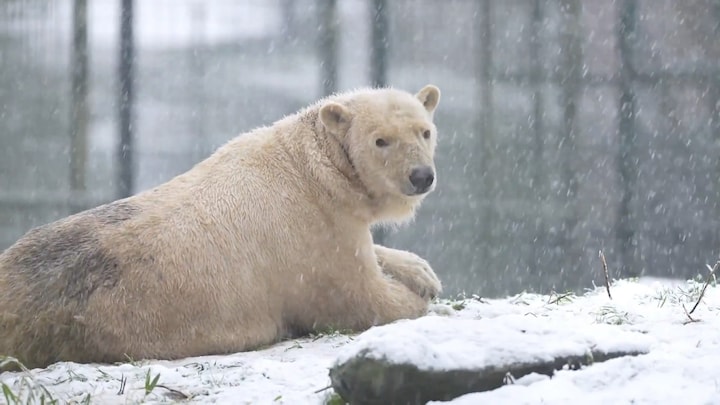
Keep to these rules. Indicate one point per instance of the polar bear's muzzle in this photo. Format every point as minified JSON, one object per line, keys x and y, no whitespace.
{"x":422,"y":179}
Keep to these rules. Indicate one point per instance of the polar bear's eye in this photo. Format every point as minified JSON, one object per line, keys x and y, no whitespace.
{"x":426,"y":134}
{"x":381,"y":143}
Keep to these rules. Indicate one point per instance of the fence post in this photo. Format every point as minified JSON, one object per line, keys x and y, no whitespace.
{"x":486,"y":128}
{"x":627,"y":155}
{"x":79,"y":107}
{"x":289,"y":20}
{"x":379,"y":47}
{"x":125,"y":103}
{"x":714,"y":101}
{"x":196,"y":87}
{"x":536,"y":125}
{"x":378,"y":69}
{"x":570,"y":76}
{"x":328,"y":45}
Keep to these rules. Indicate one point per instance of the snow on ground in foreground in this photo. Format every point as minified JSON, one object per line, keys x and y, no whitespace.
{"x":681,"y":365}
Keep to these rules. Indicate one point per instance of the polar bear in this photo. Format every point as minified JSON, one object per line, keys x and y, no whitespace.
{"x":269,"y":237}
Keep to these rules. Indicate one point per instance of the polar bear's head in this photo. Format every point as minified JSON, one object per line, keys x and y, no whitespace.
{"x":389,"y":139}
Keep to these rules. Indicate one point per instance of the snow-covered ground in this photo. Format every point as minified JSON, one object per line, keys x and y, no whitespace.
{"x":646,"y":315}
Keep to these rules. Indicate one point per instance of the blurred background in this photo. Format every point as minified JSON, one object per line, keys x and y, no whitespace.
{"x":566,"y":126}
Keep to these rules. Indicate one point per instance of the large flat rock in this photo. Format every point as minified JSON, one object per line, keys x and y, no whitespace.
{"x":437,"y":358}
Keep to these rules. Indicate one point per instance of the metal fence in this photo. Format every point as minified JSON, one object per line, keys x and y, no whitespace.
{"x":567,"y":126}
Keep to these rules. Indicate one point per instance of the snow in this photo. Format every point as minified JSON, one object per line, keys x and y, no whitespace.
{"x":644,"y":315}
{"x":289,"y":372}
{"x":443,"y":344}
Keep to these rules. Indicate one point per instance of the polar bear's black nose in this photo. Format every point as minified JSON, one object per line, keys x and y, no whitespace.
{"x":422,"y":178}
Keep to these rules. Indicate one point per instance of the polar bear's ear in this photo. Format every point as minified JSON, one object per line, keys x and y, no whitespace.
{"x":335,"y":117}
{"x":429,"y":96}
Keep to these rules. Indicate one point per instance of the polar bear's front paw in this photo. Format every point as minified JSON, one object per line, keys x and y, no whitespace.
{"x":411,"y":270}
